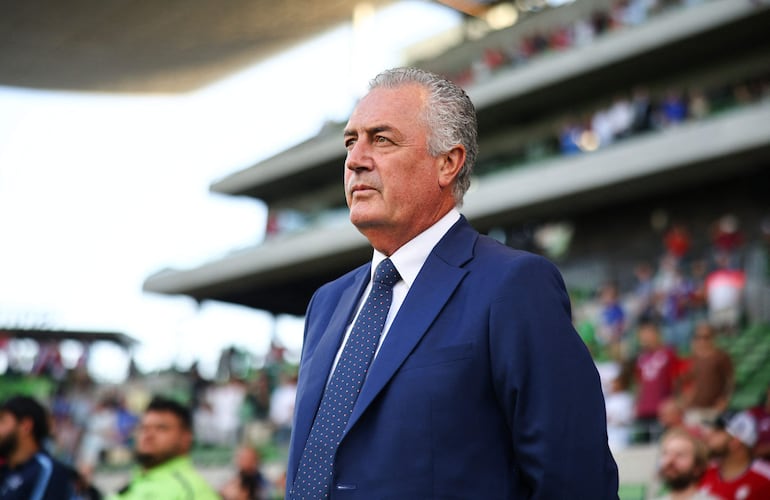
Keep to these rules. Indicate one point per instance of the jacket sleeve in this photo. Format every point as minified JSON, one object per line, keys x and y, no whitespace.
{"x":549,"y":387}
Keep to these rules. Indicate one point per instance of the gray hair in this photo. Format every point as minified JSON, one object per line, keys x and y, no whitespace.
{"x":449,"y":114}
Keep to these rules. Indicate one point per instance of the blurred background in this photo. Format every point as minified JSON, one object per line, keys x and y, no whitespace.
{"x":170,"y":196}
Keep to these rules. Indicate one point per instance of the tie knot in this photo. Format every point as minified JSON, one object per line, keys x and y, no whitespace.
{"x":386,"y":273}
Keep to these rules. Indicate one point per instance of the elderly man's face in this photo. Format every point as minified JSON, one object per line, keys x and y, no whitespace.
{"x":394,"y":188}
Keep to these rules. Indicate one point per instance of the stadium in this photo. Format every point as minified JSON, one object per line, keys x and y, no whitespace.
{"x":627,"y":141}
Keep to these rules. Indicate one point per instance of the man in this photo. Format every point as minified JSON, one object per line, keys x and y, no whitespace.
{"x":163,"y":441}
{"x":248,"y":482}
{"x":683,"y":460}
{"x":480,"y":387}
{"x":657,"y":367}
{"x":671,"y":416}
{"x":709,"y":378}
{"x":735,"y":474}
{"x":27,"y":471}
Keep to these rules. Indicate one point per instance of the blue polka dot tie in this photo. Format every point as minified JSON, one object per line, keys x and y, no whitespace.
{"x":314,"y":475}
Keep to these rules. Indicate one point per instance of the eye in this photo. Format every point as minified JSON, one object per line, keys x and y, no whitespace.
{"x":381,"y":139}
{"x":350,"y":142}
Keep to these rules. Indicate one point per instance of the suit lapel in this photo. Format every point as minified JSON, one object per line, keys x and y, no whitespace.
{"x":435,"y":284}
{"x":317,"y":371}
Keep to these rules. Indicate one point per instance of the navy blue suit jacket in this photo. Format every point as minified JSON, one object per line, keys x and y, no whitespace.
{"x":481,"y":389}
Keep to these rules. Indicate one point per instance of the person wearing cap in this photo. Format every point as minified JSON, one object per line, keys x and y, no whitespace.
{"x":735,"y":474}
{"x":28,"y":472}
{"x":163,"y":442}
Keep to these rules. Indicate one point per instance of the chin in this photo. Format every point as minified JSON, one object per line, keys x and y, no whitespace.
{"x":363,"y":220}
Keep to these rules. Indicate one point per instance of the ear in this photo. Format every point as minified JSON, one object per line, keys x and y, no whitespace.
{"x":187,"y":440}
{"x":451,"y":163}
{"x":27,"y":426}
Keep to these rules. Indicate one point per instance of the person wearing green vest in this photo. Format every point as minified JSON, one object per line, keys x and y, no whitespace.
{"x":165,"y":471}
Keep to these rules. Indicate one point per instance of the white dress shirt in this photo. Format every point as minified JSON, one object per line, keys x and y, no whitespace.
{"x":408,"y":261}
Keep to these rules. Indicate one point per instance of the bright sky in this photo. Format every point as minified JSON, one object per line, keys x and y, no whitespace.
{"x":99,"y":191}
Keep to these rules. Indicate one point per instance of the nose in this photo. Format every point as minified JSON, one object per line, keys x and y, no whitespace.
{"x":359,"y":156}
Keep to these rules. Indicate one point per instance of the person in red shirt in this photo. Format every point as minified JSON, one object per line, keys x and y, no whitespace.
{"x":656,"y":372}
{"x":734,"y":473}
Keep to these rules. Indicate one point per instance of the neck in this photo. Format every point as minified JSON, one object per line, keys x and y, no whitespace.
{"x":734,"y":465}
{"x":388,"y":239}
{"x":23,"y":453}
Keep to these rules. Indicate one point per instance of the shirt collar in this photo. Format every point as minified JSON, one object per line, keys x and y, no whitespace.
{"x":172,"y":463}
{"x":410,"y":258}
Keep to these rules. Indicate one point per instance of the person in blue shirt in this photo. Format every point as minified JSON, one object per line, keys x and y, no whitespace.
{"x":28,"y":472}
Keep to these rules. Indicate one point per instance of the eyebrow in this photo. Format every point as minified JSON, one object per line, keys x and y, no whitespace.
{"x":371,"y":130}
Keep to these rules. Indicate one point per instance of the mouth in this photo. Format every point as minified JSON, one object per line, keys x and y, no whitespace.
{"x":361,"y":189}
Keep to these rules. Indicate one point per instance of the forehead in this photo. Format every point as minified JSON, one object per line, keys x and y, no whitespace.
{"x":679,"y":444}
{"x":397,"y":107}
{"x":165,"y":418}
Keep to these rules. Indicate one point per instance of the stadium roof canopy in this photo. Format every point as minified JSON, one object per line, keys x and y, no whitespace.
{"x":48,"y":335}
{"x":152,"y":46}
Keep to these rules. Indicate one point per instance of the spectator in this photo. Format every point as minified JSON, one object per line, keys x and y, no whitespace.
{"x":698,"y":105}
{"x":612,"y":320}
{"x":727,"y":239}
{"x":643,"y":110}
{"x":656,"y":369}
{"x":282,"y":406}
{"x":126,"y":421}
{"x":673,"y":291}
{"x":569,"y":137}
{"x":241,"y":487}
{"x":673,"y":109}
{"x":677,"y":241}
{"x":101,"y":434}
{"x":258,"y":396}
{"x":620,"y":413}
{"x":643,"y":296}
{"x":724,"y":292}
{"x":27,"y":470}
{"x":761,"y":414}
{"x":758,"y":275}
{"x":163,"y":443}
{"x":226,"y":402}
{"x":249,"y":482}
{"x":698,"y":304}
{"x":198,"y":387}
{"x":671,"y":416}
{"x":735,"y":474}
{"x":602,"y":126}
{"x":682,"y":463}
{"x":621,"y":117}
{"x":709,"y":379}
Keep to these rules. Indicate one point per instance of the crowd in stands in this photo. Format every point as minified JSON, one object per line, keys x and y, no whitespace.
{"x":628,"y":115}
{"x":662,"y":349}
{"x":242,"y":413}
{"x":161,"y":452}
{"x":522,"y":49}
